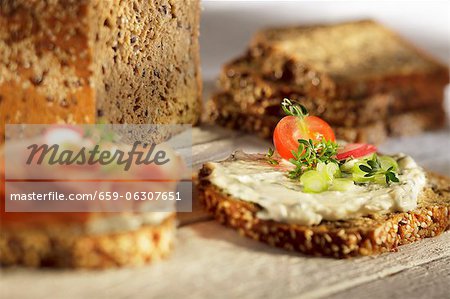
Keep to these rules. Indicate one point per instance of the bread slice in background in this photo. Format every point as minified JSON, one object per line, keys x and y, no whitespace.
{"x":224,"y":111}
{"x":347,"y":113}
{"x":122,"y":61}
{"x":346,"y":60}
{"x":249,"y":88}
{"x":340,"y":239}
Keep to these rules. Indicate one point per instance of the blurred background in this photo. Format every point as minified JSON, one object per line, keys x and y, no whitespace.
{"x":425,"y":23}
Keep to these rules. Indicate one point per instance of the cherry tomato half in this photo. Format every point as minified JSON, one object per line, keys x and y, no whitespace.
{"x":291,"y":128}
{"x":355,"y":150}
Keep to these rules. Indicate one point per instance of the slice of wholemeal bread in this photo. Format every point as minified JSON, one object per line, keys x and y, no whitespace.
{"x":123,"y":61}
{"x":340,"y":113}
{"x":60,"y":244}
{"x":222,"y":111}
{"x":243,"y":79}
{"x":346,"y":60}
{"x":341,"y":239}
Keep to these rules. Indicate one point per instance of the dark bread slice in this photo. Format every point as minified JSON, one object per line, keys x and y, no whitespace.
{"x":408,"y":123}
{"x":61,"y":245}
{"x":346,"y":60}
{"x":340,"y":113}
{"x":340,"y":239}
{"x":242,"y":78}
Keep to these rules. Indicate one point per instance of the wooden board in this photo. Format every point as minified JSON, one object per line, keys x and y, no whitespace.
{"x":430,"y":279}
{"x":211,"y":261}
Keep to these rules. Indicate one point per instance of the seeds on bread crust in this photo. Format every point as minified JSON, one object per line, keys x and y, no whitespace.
{"x":340,"y":239}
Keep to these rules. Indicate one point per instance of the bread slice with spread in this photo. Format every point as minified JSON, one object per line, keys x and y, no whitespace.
{"x":85,"y":240}
{"x":325,"y":198}
{"x":75,"y":217}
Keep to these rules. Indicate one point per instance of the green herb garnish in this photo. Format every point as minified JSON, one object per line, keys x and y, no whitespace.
{"x":310,"y":153}
{"x":270,"y":158}
{"x":293,"y":109}
{"x":374,"y":168}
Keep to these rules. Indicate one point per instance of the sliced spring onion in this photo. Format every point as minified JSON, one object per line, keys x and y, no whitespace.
{"x":329,"y":171}
{"x":333,"y":169}
{"x":380,"y":179}
{"x":358,"y":175}
{"x":388,"y":162}
{"x":348,"y":166}
{"x":314,"y":182}
{"x":342,"y":184}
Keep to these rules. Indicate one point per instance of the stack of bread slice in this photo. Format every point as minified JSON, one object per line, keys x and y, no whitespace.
{"x":362,"y":78}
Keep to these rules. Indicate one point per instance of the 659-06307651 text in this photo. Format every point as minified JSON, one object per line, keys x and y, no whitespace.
{"x":103,"y":195}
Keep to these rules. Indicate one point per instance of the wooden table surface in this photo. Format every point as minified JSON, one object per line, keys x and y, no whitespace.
{"x":211,"y":261}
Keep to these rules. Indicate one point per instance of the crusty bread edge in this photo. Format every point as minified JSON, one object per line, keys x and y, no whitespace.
{"x":198,"y":68}
{"x":37,"y":248}
{"x":320,"y":240}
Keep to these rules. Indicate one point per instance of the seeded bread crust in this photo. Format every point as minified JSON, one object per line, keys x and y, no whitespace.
{"x":242,"y":79}
{"x":59,"y":246}
{"x":339,"y":239}
{"x":123,"y":61}
{"x":376,"y":60}
{"x":404,"y":124}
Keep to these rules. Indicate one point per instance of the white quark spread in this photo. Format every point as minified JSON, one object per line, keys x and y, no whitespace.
{"x":282,"y":199}
{"x":125,"y":222}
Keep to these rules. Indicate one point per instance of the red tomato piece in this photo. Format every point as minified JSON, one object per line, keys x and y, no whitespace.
{"x":292,"y":128}
{"x":319,"y":129}
{"x":355,"y":150}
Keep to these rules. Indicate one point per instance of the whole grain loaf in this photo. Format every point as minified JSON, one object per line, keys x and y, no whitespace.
{"x":123,"y":61}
